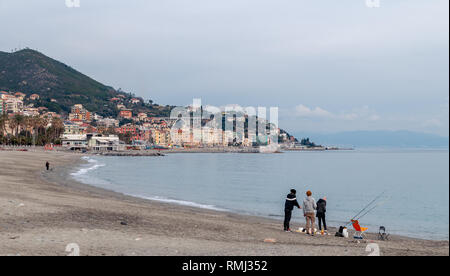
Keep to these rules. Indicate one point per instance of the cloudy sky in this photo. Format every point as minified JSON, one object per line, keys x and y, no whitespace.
{"x":328,"y":65}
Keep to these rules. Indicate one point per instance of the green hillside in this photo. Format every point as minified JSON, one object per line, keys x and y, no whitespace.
{"x":29,"y":71}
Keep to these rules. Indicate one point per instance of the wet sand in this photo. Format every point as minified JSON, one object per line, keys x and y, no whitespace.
{"x":42,"y":212}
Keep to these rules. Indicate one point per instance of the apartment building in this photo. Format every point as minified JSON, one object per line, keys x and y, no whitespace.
{"x":78,"y":112}
{"x":126,"y":114}
{"x":11,"y":104}
{"x":161,"y":137}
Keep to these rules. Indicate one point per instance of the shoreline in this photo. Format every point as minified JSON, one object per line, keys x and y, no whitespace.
{"x":66,"y":174}
{"x":60,"y":210}
{"x":200,"y":206}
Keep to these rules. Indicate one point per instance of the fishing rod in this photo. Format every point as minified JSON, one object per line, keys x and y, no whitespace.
{"x":373,"y":208}
{"x":367,"y":206}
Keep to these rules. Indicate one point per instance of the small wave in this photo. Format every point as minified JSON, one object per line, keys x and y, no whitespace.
{"x":85,"y":170}
{"x":274,"y":215}
{"x":80,"y":174}
{"x":183,"y":203}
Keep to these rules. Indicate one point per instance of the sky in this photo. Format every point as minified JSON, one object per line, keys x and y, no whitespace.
{"x":328,"y":65}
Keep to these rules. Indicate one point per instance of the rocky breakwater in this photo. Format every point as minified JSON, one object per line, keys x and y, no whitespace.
{"x":130,"y":153}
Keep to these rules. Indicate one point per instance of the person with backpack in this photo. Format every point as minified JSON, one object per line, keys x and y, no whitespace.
{"x":321,"y":210}
{"x":291,"y":202}
{"x":309,"y":208}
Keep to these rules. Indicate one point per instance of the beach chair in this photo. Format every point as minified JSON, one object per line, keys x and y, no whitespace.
{"x":359,"y":230}
{"x":382,"y":234}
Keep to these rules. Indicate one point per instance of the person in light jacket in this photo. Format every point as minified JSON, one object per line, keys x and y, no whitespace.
{"x":309,"y":208}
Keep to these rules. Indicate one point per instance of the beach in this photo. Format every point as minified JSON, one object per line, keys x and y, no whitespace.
{"x":44,"y":211}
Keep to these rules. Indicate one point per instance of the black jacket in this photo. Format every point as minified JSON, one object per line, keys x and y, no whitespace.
{"x":321,"y":206}
{"x":291,"y":201}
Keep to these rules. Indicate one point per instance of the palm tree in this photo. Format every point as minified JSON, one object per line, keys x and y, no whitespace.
{"x":3,"y":122}
{"x":13,"y":125}
{"x":57,"y":128}
{"x":35,"y":123}
{"x":18,"y":122}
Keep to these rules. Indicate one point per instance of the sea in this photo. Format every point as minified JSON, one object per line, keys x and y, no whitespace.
{"x":410,"y":186}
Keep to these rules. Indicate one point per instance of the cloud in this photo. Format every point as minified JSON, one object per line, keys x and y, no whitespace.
{"x":304,"y":111}
{"x":361,"y":113}
{"x":446,"y":105}
{"x":374,"y":118}
{"x":304,"y":118}
{"x":432,"y":123}
{"x":257,"y":53}
{"x":438,"y":122}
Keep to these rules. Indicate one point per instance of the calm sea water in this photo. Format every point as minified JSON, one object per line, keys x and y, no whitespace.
{"x":416,"y":182}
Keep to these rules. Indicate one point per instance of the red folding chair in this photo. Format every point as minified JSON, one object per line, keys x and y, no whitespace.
{"x":359,"y":230}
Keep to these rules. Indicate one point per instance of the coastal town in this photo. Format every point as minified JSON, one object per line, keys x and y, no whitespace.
{"x":224,"y":137}
{"x":25,"y":124}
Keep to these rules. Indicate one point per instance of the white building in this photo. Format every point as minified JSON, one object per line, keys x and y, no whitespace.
{"x":108,"y":122}
{"x":71,"y":128}
{"x":74,"y":141}
{"x":31,"y":111}
{"x":11,"y":104}
{"x":100,"y":142}
{"x":96,"y":142}
{"x":180,"y":136}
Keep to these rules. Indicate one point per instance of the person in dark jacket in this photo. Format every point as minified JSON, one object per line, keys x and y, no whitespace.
{"x":321,"y":210}
{"x":291,"y":202}
{"x":47,"y":165}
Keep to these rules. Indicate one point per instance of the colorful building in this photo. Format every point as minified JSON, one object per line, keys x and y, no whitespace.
{"x":126,"y":114}
{"x":161,"y":137}
{"x":128,"y":128}
{"x":20,"y":95}
{"x":135,"y":101}
{"x":78,"y":112}
{"x":34,"y":97}
{"x":142,"y":116}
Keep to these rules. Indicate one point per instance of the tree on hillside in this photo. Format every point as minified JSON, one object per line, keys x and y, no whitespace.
{"x":307,"y":142}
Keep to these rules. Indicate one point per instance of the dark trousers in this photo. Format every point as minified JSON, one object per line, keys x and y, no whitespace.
{"x":287,"y":219}
{"x":321,"y":217}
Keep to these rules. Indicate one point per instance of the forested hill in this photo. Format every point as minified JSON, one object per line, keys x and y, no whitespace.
{"x":32,"y":72}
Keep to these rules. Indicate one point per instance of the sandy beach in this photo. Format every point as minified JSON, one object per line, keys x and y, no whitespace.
{"x":42,"y":212}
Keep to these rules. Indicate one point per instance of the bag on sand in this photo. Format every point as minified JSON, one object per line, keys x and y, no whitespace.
{"x":340,"y":233}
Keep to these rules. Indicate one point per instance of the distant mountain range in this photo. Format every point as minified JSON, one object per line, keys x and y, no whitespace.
{"x":30,"y":72}
{"x":370,"y":139}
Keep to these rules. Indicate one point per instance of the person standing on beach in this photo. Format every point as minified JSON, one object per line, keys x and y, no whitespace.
{"x":321,"y":210}
{"x":309,"y":207}
{"x":291,"y":202}
{"x":47,"y":165}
